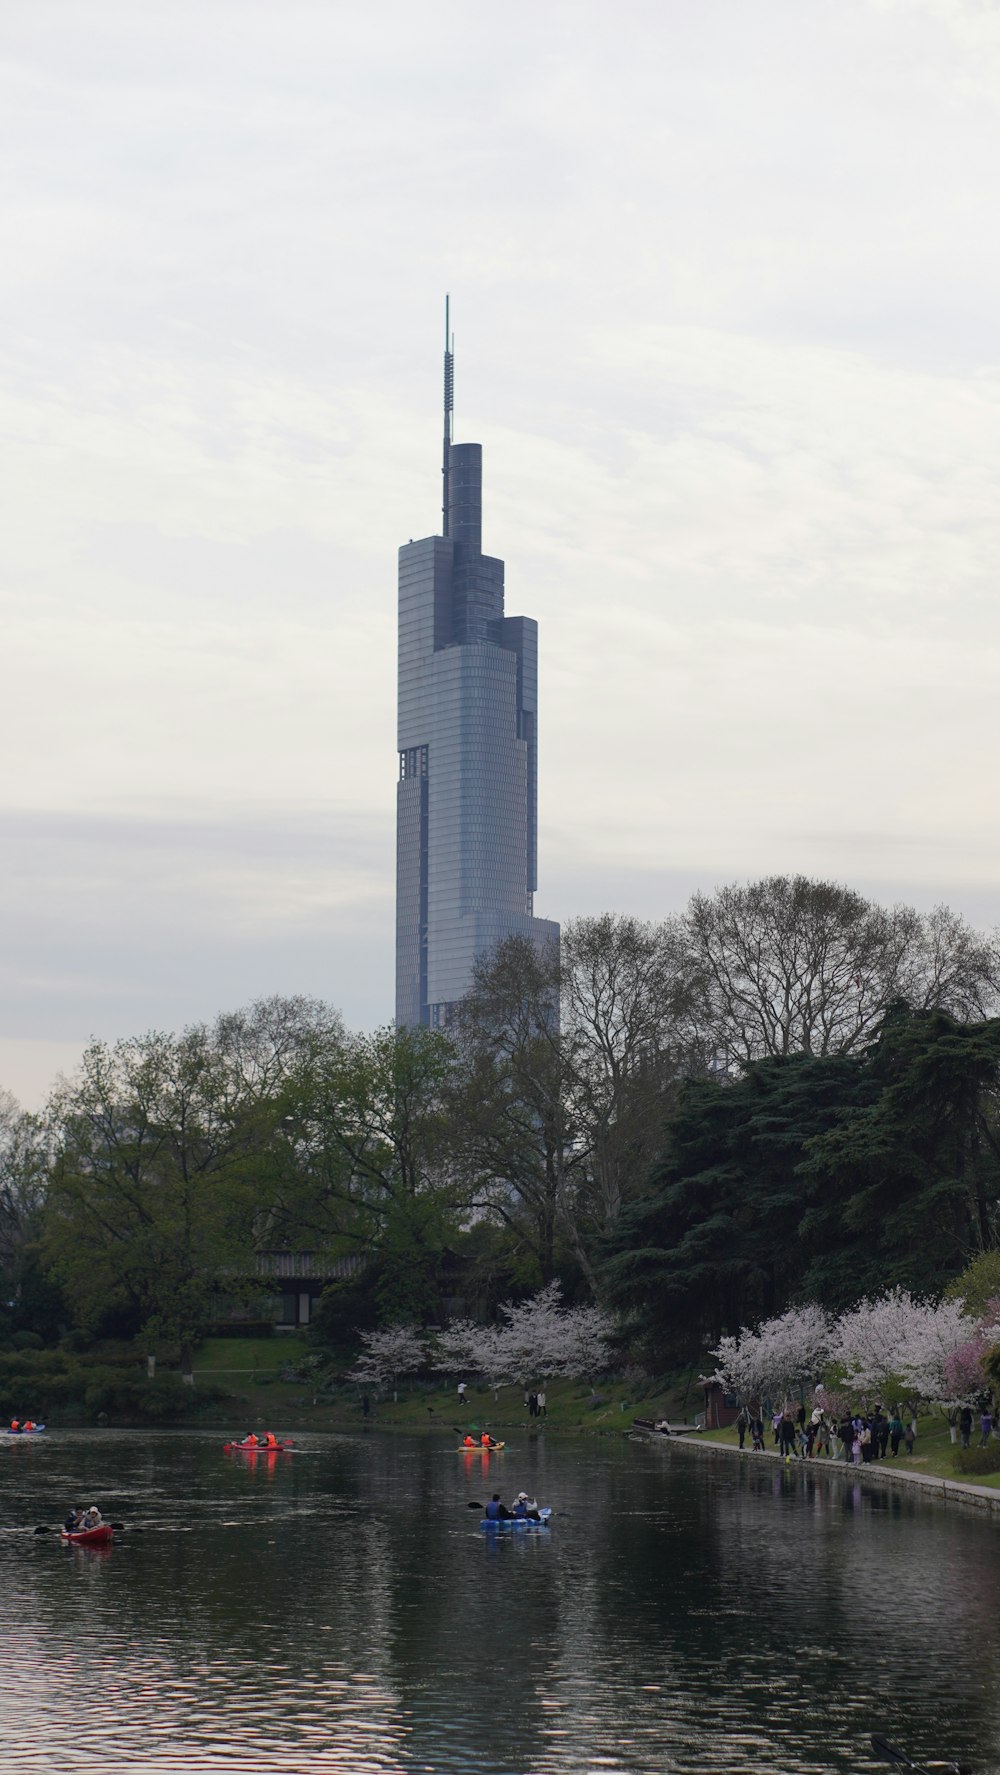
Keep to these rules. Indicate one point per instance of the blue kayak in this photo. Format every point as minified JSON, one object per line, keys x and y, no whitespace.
{"x":36,"y":1430}
{"x":489,"y":1522}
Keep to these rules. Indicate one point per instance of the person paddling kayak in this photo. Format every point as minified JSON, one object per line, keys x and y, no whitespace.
{"x":524,"y":1506}
{"x":495,"y":1511}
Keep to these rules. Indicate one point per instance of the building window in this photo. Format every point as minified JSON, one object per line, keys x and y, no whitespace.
{"x":413,"y":763}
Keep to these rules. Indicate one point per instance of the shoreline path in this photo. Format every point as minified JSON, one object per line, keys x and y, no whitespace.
{"x":983,"y":1497}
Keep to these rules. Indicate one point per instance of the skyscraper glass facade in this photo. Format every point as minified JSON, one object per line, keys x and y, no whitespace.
{"x":466,"y":820}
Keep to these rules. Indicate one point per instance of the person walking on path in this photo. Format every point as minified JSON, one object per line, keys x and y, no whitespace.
{"x":985,"y":1427}
{"x":461,"y":1392}
{"x":909,"y":1438}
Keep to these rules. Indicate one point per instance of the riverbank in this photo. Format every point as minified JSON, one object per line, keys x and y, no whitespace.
{"x":985,"y":1496}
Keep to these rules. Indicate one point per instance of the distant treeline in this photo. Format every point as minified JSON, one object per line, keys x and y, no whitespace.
{"x":786,"y":1093}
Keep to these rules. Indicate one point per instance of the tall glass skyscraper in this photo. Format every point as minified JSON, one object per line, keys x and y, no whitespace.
{"x":466,"y":811}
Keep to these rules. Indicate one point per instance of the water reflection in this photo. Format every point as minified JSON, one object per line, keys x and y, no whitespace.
{"x":341,"y":1609}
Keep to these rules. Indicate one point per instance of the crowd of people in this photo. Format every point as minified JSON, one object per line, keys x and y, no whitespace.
{"x":801,"y":1435}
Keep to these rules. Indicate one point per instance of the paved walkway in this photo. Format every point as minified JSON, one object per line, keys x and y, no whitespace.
{"x":886,"y":1472}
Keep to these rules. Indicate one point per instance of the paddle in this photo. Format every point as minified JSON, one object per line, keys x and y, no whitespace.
{"x":46,"y":1528}
{"x":891,"y":1753}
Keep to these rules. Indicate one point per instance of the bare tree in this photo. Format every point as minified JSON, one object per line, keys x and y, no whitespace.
{"x":510,"y":1103}
{"x":787,"y":965}
{"x":627,"y":1031}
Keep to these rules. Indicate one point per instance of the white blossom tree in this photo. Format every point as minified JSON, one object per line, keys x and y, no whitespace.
{"x":535,"y":1339}
{"x":897,"y":1340}
{"x":388,"y":1354}
{"x":539,"y":1337}
{"x":783,"y":1353}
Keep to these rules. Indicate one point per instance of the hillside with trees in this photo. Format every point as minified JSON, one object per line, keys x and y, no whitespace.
{"x":786,"y":1095}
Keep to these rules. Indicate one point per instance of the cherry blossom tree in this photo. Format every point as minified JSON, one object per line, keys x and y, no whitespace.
{"x":540,"y":1337}
{"x":536,"y":1338}
{"x":394,"y":1351}
{"x":898,"y":1341}
{"x":965,"y":1372}
{"x":780,"y":1355}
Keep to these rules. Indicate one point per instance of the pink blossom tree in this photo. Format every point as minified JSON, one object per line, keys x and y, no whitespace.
{"x":965,"y":1370}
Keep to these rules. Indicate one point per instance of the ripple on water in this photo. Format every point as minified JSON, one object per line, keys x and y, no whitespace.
{"x":344,"y":1614}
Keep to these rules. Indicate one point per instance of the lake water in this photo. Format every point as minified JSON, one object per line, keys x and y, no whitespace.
{"x":340,"y":1609}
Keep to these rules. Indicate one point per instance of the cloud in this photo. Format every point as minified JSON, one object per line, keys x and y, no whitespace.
{"x":725,"y":288}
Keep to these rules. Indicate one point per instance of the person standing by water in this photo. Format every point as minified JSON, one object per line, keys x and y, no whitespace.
{"x":895,"y":1431}
{"x":965,"y":1425}
{"x":985,"y":1427}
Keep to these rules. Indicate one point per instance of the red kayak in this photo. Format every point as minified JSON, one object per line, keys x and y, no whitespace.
{"x":89,"y":1537}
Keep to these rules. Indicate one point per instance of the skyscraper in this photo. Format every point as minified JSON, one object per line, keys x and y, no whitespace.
{"x":466,"y":810}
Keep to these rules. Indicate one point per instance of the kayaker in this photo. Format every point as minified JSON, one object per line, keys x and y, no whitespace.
{"x":28,"y":1424}
{"x":270,"y":1440}
{"x":468,"y":1442}
{"x":15,"y":1426}
{"x":495,"y":1511}
{"x":249,"y":1440}
{"x":525,"y":1506}
{"x":486,"y":1440}
{"x":74,"y":1520}
{"x":92,"y":1518}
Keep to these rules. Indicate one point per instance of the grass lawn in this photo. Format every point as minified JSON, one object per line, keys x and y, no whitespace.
{"x":221,"y":1358}
{"x":934,"y":1453}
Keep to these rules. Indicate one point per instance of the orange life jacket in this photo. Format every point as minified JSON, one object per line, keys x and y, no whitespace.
{"x":486,"y":1439}
{"x":470,"y":1442}
{"x":271,"y":1439}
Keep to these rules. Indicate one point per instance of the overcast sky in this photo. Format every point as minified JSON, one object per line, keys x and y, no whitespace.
{"x":725,"y":281}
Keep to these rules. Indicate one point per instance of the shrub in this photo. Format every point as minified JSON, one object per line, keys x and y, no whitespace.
{"x":27,"y":1340}
{"x":979,"y":1460}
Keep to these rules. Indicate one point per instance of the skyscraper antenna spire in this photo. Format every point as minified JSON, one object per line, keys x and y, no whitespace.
{"x":449,"y":408}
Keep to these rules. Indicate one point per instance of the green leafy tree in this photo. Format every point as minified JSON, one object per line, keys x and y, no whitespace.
{"x":155,"y":1187}
{"x":369,"y":1170}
